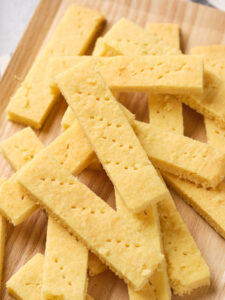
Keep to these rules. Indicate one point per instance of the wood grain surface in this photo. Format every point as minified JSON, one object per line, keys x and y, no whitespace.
{"x":199,"y":26}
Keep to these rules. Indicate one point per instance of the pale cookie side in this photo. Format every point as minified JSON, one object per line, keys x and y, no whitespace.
{"x":25,"y":106}
{"x":65,"y":265}
{"x":87,"y":216}
{"x":182,"y":156}
{"x":26,"y":283}
{"x":107,"y":128}
{"x":147,"y":223}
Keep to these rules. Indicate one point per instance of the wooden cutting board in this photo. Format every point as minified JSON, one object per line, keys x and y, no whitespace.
{"x":199,"y":26}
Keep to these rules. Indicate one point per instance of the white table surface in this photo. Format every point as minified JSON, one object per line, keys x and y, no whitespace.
{"x":14,"y":17}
